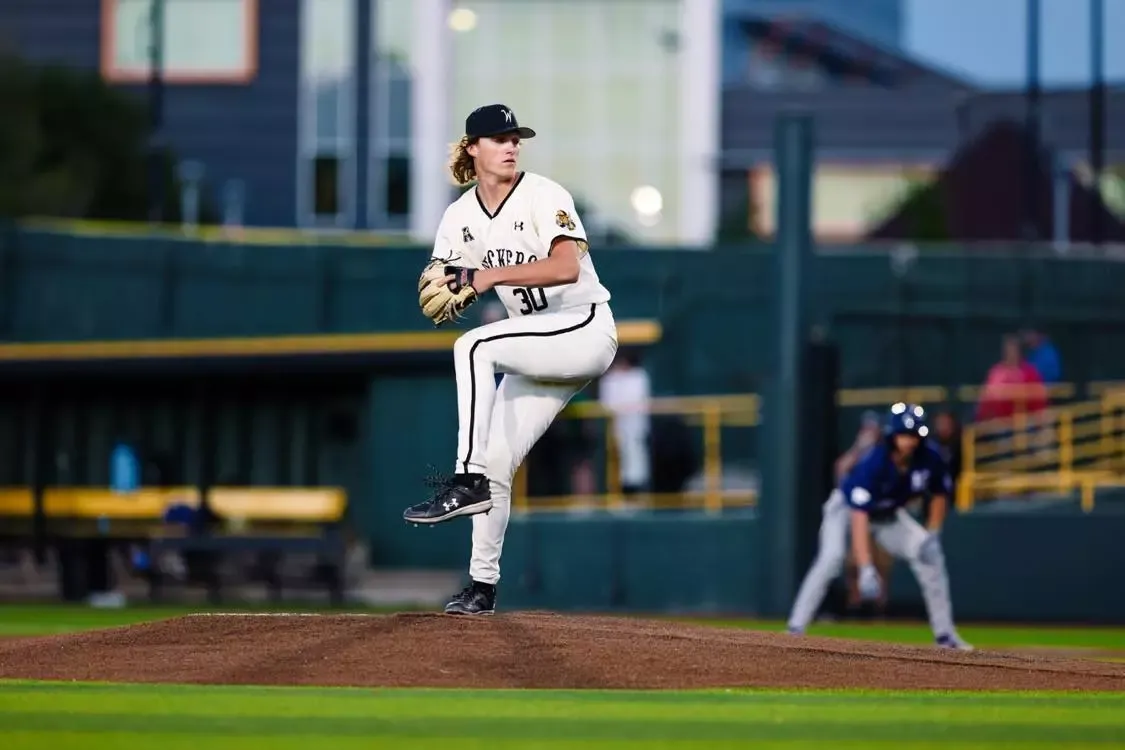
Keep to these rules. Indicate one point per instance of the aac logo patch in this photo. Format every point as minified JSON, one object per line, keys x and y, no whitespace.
{"x":562,"y":218}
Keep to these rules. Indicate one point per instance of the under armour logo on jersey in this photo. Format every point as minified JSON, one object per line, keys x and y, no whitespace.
{"x":507,"y":115}
{"x":466,"y":235}
{"x":519,"y":226}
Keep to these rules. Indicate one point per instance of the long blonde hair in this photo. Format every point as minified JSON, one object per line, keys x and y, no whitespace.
{"x":461,"y":163}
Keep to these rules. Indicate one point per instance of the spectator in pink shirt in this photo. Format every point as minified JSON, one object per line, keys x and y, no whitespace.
{"x":1013,"y":385}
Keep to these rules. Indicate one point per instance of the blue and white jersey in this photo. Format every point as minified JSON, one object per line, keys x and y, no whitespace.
{"x":877,"y":487}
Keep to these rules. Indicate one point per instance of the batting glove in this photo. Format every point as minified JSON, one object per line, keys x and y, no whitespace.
{"x":869,"y":584}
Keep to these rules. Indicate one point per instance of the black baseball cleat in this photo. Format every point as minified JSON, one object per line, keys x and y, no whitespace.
{"x":475,"y":599}
{"x":458,"y":495}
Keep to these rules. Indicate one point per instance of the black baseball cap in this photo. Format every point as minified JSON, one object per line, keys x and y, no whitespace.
{"x":494,"y":119}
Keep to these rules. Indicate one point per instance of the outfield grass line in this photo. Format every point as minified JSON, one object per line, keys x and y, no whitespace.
{"x":751,"y":725}
{"x":118,"y":741}
{"x":833,"y":710}
{"x":727,"y":694}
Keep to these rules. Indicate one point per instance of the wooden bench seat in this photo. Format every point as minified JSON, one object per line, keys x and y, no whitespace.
{"x":16,"y":502}
{"x":268,"y":521}
{"x":17,"y":515}
{"x":83,"y":523}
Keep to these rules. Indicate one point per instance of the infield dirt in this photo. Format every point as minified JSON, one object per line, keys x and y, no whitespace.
{"x":521,"y":650}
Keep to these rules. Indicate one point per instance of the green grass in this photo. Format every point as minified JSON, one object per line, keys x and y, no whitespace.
{"x":64,"y":716}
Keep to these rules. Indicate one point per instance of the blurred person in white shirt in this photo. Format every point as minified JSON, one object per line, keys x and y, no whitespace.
{"x":625,"y":391}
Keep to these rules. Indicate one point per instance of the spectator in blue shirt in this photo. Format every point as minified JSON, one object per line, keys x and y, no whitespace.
{"x":1043,"y":356}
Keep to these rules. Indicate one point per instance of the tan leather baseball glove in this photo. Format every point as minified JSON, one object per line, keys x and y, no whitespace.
{"x":442,"y":302}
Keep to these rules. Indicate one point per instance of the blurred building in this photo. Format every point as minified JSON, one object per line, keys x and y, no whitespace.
{"x":887,"y":124}
{"x":623,"y":93}
{"x":749,"y":58}
{"x":657,"y":114}
{"x":233,"y":84}
{"x":338,"y":113}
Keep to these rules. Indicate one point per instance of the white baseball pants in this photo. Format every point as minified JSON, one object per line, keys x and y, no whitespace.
{"x":545,"y":358}
{"x":902,"y":537}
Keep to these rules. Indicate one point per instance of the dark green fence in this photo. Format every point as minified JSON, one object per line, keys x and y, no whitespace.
{"x":938,"y":321}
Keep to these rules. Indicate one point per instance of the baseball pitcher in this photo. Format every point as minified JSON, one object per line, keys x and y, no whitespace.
{"x":869,"y":502}
{"x":518,"y":234}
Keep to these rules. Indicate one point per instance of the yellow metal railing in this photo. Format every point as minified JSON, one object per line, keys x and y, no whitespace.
{"x":1065,"y":447}
{"x":712,"y":414}
{"x":1073,"y":447}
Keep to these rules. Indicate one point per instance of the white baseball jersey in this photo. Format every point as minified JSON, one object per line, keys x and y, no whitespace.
{"x":535,"y":213}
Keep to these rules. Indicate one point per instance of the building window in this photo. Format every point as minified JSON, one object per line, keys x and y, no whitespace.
{"x":391,"y":115}
{"x":326,"y":117}
{"x":326,"y":186}
{"x":397,"y":182}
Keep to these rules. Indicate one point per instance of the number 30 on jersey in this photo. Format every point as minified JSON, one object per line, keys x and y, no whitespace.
{"x":534,"y":299}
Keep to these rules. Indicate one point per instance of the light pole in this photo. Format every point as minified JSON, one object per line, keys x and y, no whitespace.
{"x":1097,"y":117}
{"x":1031,"y":125}
{"x":156,"y":112}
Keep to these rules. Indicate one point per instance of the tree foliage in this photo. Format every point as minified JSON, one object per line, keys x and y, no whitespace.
{"x":73,"y":146}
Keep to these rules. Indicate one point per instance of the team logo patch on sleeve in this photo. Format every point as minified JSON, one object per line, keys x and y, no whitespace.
{"x":562,"y":218}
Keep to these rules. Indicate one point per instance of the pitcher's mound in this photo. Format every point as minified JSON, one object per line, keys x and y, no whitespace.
{"x":527,"y":650}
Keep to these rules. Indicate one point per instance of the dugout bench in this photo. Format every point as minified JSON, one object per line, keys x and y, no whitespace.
{"x":83,"y":523}
{"x":17,"y":514}
{"x":17,"y":522}
{"x":271,"y":522}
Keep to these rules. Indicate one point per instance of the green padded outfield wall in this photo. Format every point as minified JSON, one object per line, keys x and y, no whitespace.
{"x":1051,"y":565}
{"x":400,"y":458}
{"x":679,"y":562}
{"x":938,"y":322}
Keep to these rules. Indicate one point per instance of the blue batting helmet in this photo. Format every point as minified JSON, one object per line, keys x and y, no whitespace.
{"x":906,"y":419}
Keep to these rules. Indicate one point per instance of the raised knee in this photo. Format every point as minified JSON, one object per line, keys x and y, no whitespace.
{"x":464,"y":344}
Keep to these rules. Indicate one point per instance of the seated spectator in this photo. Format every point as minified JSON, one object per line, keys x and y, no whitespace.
{"x":1013,"y":386}
{"x":947,"y":441}
{"x":1043,"y":356}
